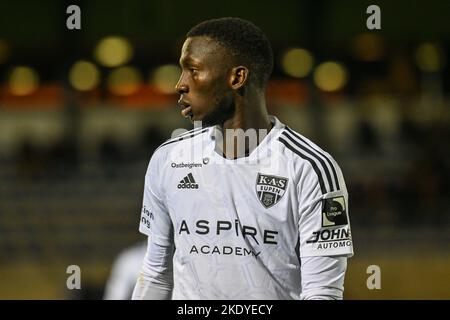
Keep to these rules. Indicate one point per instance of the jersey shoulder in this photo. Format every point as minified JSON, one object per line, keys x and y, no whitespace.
{"x":184,"y":140}
{"x":303,"y":150}
{"x":290,"y":138}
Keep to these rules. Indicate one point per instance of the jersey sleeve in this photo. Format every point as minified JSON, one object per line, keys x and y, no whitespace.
{"x":155,"y":219}
{"x":324,"y":224}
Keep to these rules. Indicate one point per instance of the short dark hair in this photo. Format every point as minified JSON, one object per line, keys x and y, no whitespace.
{"x":245,"y":41}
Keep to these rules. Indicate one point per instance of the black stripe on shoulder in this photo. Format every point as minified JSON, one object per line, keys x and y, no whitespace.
{"x":184,"y":137}
{"x":189,"y":132}
{"x":311,"y":161}
{"x":186,"y":133}
{"x":313,"y":155}
{"x":320,"y":153}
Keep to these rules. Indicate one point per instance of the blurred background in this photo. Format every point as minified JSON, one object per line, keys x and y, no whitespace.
{"x":81,"y":112}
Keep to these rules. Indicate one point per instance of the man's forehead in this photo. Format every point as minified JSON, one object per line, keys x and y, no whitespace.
{"x":200,"y":47}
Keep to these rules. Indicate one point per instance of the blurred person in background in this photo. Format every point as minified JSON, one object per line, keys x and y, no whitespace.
{"x":124,"y":272}
{"x":214,"y":234}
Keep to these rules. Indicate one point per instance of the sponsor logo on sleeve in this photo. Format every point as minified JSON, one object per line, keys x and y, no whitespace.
{"x":146,"y":216}
{"x":335,"y":231}
{"x":331,"y":238}
{"x":334,"y":212}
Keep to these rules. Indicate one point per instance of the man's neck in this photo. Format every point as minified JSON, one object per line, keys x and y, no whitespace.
{"x":244,"y":131}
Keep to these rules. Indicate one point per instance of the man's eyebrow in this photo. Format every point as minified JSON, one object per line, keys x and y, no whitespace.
{"x":188,"y":61}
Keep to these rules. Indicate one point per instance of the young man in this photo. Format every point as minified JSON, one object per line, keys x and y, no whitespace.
{"x":267,"y":220}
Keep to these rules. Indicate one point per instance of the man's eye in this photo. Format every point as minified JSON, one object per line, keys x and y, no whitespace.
{"x":193,"y":70}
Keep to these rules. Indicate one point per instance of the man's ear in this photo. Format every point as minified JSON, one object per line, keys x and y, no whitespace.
{"x":239,"y":76}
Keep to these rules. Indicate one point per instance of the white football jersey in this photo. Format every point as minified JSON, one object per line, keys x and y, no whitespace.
{"x":241,"y":227}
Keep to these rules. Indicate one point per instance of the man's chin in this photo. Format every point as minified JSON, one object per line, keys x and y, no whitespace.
{"x":195,"y":120}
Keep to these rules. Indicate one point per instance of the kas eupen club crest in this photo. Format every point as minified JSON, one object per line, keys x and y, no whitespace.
{"x":270,"y":189}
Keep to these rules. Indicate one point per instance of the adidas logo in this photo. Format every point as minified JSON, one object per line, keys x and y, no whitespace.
{"x":188,"y":182}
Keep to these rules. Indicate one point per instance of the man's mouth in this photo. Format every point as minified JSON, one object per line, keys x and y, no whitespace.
{"x":186,"y":109}
{"x":187,"y":112}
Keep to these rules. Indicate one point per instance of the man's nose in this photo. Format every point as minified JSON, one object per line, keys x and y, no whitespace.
{"x":181,"y":86}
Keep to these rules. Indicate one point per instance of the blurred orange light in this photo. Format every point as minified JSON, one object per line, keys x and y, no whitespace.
{"x":113,"y":51}
{"x":84,"y":75}
{"x":124,"y":81}
{"x":297,"y":62}
{"x":430,"y":57}
{"x":165,"y":78}
{"x":330,"y":76}
{"x":368,"y":47}
{"x":23,"y":81}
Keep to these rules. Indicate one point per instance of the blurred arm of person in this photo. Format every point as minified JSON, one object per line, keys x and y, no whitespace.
{"x":155,"y":281}
{"x":124,"y":272}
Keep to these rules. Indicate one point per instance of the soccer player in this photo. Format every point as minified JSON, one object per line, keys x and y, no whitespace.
{"x":265,"y":221}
